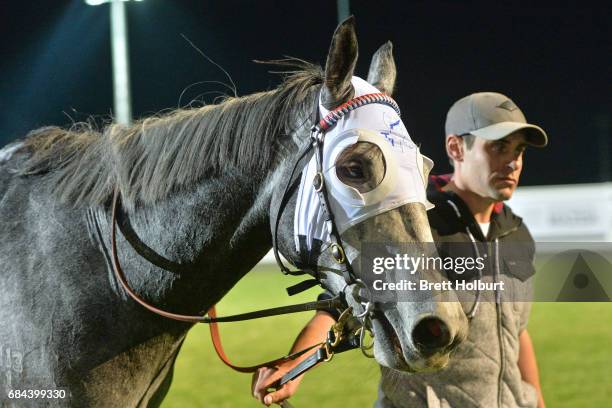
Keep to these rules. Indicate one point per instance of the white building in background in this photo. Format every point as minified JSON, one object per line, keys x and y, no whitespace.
{"x":566,"y":213}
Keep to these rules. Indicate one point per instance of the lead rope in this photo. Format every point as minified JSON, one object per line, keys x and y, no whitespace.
{"x":216,"y":340}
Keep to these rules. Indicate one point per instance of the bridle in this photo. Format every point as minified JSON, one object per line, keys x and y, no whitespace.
{"x":315,"y":146}
{"x":334,"y":342}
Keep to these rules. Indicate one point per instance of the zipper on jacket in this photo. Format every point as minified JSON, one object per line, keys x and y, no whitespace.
{"x":499,"y":309}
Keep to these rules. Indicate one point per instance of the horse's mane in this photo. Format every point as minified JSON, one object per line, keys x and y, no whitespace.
{"x":157,"y":155}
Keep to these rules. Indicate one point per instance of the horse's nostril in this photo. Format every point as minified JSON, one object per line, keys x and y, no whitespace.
{"x":430,"y":335}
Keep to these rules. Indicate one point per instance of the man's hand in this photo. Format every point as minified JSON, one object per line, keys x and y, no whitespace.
{"x":528,"y":366}
{"x":265,"y":379}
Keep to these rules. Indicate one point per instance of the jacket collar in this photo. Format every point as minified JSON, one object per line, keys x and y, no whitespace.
{"x":503,"y":220}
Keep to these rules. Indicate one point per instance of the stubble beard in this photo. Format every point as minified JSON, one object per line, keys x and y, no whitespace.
{"x":502,"y":194}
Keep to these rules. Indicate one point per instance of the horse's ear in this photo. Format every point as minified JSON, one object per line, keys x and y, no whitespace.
{"x":382,"y":71}
{"x":341,"y":61}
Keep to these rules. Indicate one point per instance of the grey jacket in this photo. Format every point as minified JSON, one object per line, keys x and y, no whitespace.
{"x":483,"y":371}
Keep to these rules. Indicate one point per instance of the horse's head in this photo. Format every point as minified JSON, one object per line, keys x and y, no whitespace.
{"x":371,"y":179}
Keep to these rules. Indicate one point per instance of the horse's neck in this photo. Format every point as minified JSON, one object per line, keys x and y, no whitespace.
{"x":213,"y":235}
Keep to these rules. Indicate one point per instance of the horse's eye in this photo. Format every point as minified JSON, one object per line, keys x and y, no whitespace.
{"x":352,"y":170}
{"x":361,"y":166}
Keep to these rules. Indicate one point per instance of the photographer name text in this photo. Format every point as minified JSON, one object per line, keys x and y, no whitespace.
{"x":425,"y":285}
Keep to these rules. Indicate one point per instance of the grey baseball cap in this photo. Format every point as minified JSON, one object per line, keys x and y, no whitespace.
{"x":492,"y":116}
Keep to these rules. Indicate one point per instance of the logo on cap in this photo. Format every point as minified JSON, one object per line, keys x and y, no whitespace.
{"x":507,"y":105}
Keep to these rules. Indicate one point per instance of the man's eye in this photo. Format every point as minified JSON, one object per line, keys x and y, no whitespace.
{"x":499,"y":147}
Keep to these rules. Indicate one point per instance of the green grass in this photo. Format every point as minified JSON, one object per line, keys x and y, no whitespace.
{"x":572,"y":342}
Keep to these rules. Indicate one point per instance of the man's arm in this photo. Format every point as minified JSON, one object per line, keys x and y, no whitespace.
{"x":314,"y":332}
{"x":528,"y":365}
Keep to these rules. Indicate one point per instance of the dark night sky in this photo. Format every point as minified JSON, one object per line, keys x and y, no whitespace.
{"x":553,"y":61}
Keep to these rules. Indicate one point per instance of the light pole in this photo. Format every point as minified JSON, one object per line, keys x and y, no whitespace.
{"x":121,"y":62}
{"x":344,"y":9}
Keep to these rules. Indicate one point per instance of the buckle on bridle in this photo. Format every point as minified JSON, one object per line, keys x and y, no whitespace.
{"x":338,"y":253}
{"x":368,"y":307}
{"x":318,"y":182}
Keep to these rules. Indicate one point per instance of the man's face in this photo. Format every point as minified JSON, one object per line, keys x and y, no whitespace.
{"x":491,"y":168}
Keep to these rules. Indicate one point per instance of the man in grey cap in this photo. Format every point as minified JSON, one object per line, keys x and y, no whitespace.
{"x":491,"y":121}
{"x":486,"y":135}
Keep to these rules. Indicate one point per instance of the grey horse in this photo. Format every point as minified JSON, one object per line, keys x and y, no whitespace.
{"x":200,"y":188}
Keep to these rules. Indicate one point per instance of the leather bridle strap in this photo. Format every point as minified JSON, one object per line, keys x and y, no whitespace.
{"x":216,"y":340}
{"x":335,"y":302}
{"x":292,"y":183}
{"x":335,"y":241}
{"x":212,"y":319}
